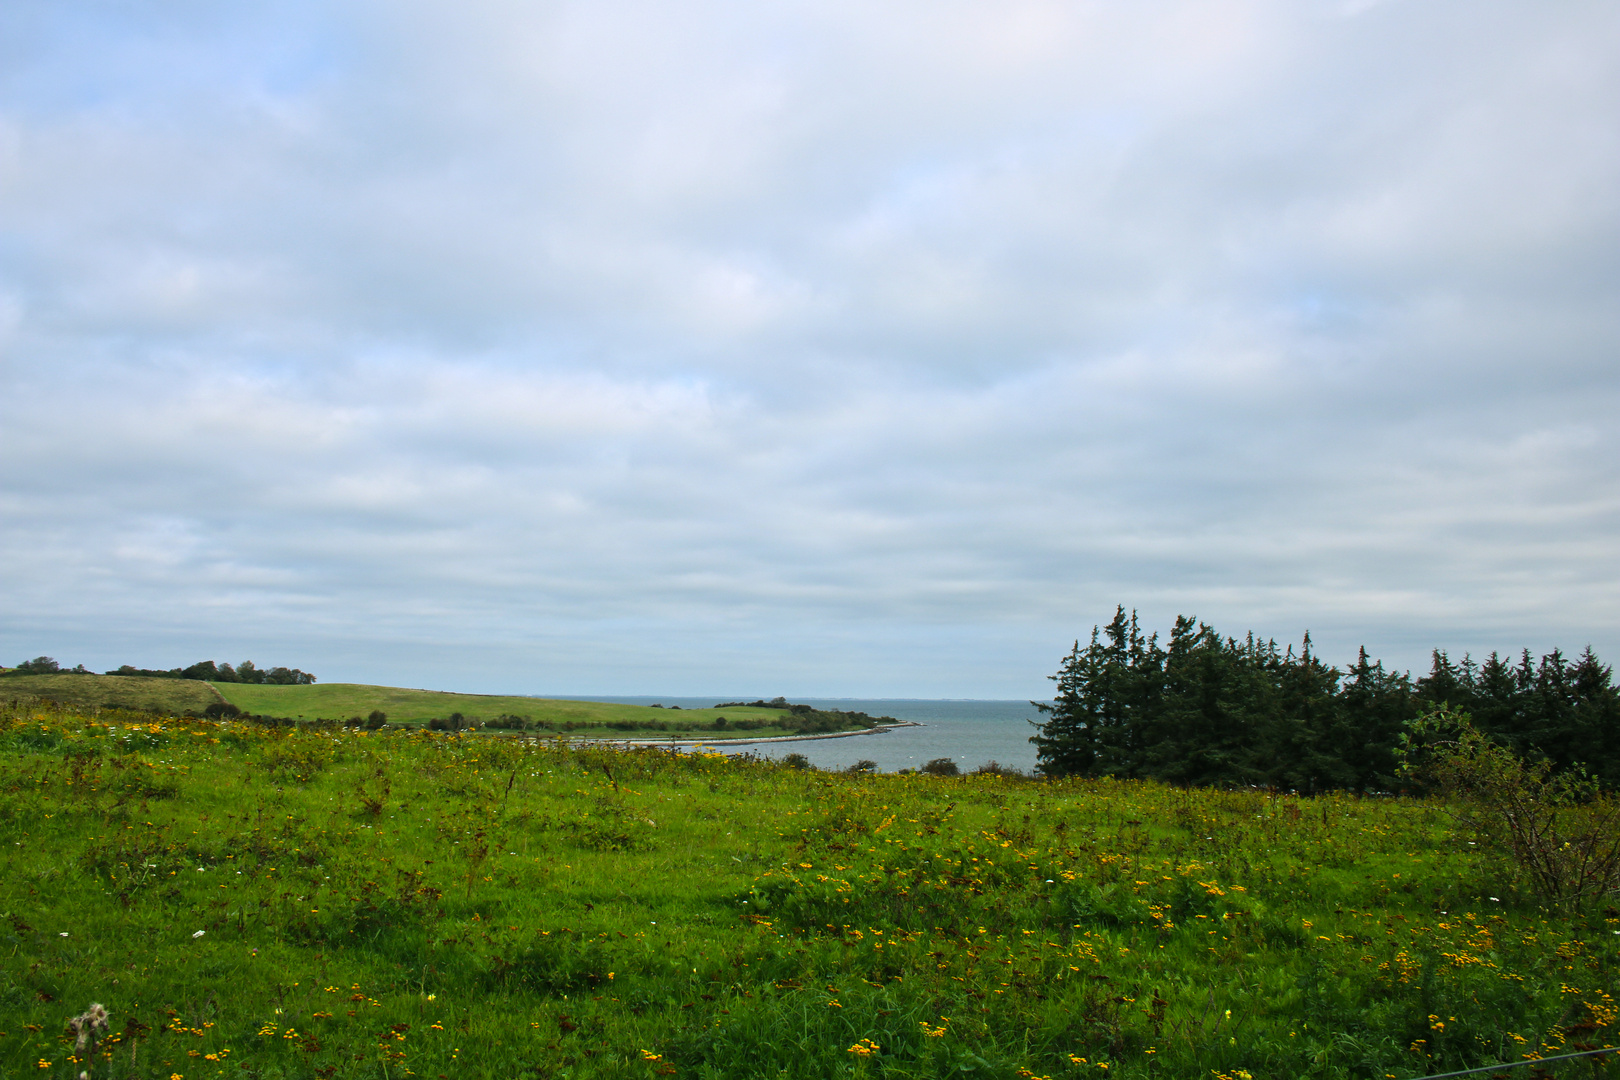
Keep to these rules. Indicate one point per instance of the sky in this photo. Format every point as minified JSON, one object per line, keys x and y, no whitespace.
{"x":837,"y":349}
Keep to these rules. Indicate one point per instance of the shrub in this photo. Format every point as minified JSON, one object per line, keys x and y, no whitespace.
{"x":942,"y":766}
{"x":508,"y":722}
{"x":1560,"y":831}
{"x":376,"y":720}
{"x":796,"y":761}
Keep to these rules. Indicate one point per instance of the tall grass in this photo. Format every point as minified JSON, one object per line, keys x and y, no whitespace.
{"x":279,"y":903}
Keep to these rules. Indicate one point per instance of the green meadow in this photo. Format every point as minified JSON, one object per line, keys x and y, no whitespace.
{"x":342,"y":701}
{"x":273,"y":902}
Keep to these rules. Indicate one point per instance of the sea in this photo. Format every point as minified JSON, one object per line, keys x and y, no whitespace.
{"x":970,"y":733}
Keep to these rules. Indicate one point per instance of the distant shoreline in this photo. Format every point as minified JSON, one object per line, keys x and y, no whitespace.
{"x":744,"y":742}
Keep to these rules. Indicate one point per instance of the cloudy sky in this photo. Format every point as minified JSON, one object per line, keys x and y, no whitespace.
{"x":842,"y":348}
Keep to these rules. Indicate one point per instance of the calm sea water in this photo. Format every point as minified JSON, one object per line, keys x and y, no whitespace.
{"x":968,"y":732}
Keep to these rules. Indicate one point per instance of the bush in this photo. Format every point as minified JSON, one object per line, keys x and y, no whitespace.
{"x":376,"y":720}
{"x":1559,"y":830}
{"x":222,"y":710}
{"x":796,"y":761}
{"x":942,"y":766}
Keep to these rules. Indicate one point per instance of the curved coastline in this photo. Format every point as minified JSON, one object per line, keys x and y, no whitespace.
{"x":673,"y":742}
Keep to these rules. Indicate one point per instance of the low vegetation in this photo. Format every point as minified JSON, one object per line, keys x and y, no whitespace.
{"x":261,"y":901}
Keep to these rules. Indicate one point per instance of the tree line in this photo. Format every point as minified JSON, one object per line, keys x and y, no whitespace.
{"x":206,"y":670}
{"x":1207,"y":709}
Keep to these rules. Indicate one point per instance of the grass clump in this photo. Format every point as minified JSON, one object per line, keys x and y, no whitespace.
{"x":271,"y":902}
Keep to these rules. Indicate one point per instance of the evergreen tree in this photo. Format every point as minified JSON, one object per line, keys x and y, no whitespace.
{"x":1307,"y":705}
{"x":1213,"y":710}
{"x":1066,"y":743}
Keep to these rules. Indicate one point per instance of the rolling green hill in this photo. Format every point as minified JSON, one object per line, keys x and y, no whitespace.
{"x":344,"y":700}
{"x":175,"y":696}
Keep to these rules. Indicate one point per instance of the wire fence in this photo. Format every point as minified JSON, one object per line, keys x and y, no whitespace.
{"x":1522,"y":1064}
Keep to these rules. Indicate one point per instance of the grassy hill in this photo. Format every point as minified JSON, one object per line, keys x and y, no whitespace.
{"x":403,"y":706}
{"x":341,"y":701}
{"x":172,"y":696}
{"x":253,"y":901}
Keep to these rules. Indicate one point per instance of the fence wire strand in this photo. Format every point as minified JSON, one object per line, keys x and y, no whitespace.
{"x":1521,"y":1064}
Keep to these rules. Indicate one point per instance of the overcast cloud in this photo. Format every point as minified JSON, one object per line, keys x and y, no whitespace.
{"x":834,"y":348}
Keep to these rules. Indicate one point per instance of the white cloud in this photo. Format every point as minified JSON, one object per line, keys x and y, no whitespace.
{"x":825,"y":348}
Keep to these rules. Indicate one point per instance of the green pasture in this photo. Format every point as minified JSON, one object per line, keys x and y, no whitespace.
{"x":173,"y":696}
{"x":343,"y":700}
{"x":254,"y":901}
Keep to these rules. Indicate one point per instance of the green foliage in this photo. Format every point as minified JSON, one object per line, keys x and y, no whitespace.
{"x":1567,"y":711}
{"x":1559,"y":829}
{"x":1204,"y":709}
{"x":491,"y":906}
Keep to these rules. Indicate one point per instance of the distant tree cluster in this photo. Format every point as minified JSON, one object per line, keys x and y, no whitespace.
{"x":44,"y":665}
{"x":774,"y":703}
{"x":804,"y":719}
{"x":1203,"y":709}
{"x":208,"y":671}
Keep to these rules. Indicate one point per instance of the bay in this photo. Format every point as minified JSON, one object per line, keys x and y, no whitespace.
{"x":969,"y":732}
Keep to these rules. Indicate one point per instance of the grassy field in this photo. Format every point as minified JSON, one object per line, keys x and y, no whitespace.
{"x":112,"y":691}
{"x":342,"y":700}
{"x":262,"y":902}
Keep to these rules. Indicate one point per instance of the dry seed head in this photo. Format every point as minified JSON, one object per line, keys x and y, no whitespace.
{"x":89,"y":1026}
